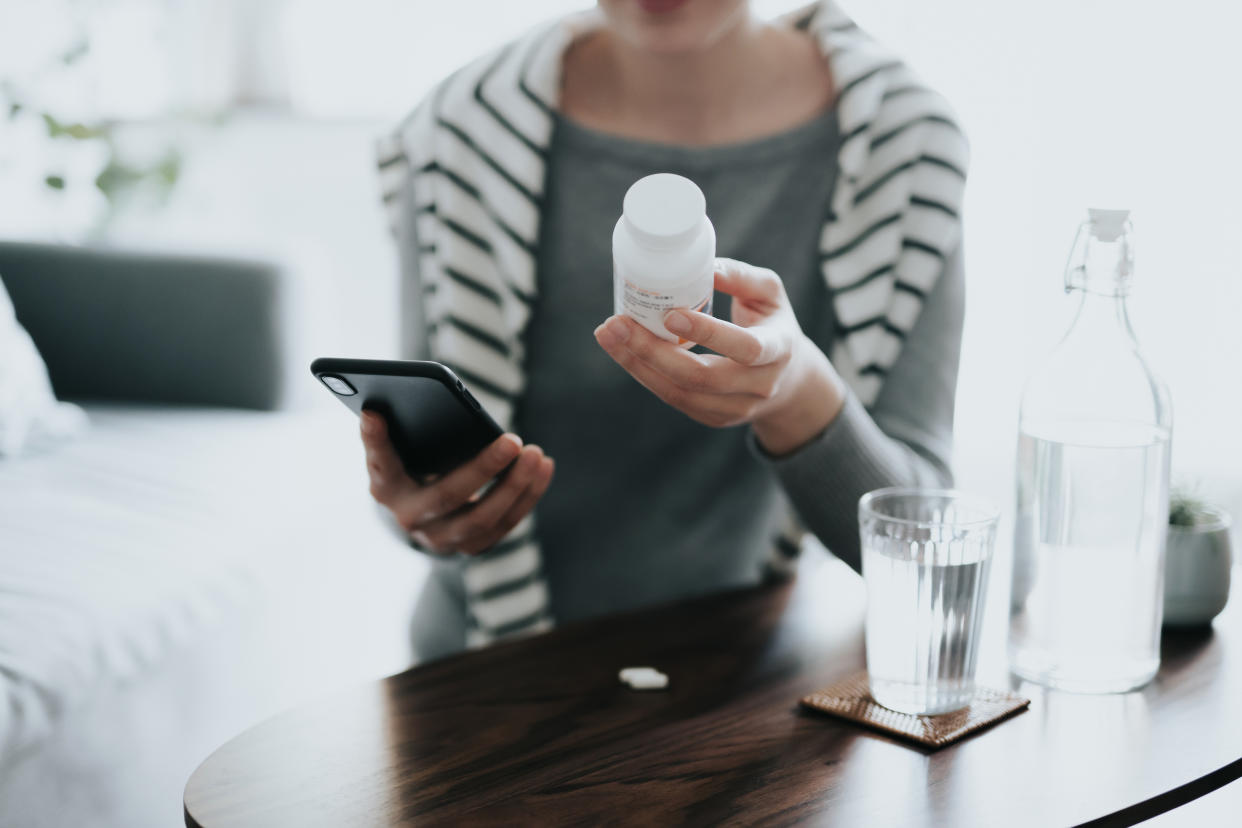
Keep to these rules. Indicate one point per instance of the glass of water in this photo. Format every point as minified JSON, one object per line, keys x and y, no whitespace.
{"x":926,"y":554}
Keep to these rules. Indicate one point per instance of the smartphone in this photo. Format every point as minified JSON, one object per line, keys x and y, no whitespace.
{"x":434,"y":422}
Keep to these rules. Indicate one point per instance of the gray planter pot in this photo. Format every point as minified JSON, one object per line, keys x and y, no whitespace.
{"x":1197,"y":568}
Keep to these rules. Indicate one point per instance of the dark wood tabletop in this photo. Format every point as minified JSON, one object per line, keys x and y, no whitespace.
{"x":540,"y":731}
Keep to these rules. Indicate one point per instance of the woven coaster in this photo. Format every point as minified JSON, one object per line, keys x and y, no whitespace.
{"x":851,"y":699}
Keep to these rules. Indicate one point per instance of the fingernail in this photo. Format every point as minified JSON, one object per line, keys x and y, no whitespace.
{"x":612,"y":333}
{"x":619,"y":328}
{"x":369,"y":425}
{"x":507,"y":447}
{"x":677,"y":322}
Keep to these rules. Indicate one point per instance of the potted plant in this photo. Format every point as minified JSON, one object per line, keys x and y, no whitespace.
{"x":1198,"y":561}
{"x":58,"y":153}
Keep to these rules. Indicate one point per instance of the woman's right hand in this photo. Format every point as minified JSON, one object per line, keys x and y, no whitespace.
{"x":446,"y":515}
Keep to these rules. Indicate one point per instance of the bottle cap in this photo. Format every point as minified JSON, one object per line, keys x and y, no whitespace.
{"x":1108,"y":225}
{"x":664,"y":209}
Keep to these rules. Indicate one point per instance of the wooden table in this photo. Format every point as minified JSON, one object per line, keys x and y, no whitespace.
{"x":540,"y":731}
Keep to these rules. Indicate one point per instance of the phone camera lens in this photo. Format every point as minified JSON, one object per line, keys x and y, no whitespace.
{"x":338,"y":385}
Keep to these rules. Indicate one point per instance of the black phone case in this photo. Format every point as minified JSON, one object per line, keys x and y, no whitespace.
{"x":435,"y":424}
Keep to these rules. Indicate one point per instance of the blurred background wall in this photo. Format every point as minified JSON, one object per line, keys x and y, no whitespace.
{"x":247,"y":126}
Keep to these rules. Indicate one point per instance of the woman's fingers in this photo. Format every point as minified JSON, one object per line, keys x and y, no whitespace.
{"x":711,"y":408}
{"x":449,"y":515}
{"x":388,"y":477}
{"x":753,"y":285}
{"x":520,"y":508}
{"x":749,"y":346}
{"x":468,"y":528}
{"x":484,"y":513}
{"x":413,"y":505}
{"x":761,"y":375}
{"x":454,"y":489}
{"x":630,"y":344}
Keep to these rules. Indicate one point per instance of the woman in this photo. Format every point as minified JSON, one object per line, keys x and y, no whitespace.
{"x":834,"y":180}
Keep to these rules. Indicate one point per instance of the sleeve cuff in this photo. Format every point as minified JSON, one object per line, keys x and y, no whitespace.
{"x":825,"y":477}
{"x":844,"y":429}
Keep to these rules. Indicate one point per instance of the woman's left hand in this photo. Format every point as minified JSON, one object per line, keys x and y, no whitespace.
{"x":768,"y":372}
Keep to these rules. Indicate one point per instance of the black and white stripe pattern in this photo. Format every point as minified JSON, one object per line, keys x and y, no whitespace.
{"x":896,"y":210}
{"x":466,"y":170}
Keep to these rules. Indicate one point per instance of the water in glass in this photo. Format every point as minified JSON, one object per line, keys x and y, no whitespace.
{"x":926,"y":583}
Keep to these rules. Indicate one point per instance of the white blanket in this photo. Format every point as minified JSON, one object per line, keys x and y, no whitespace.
{"x":161,"y":524}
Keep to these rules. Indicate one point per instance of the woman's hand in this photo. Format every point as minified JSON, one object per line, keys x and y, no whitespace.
{"x":448,"y":515}
{"x":768,"y":374}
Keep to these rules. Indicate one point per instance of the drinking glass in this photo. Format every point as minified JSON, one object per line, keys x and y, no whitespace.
{"x":925,"y":558}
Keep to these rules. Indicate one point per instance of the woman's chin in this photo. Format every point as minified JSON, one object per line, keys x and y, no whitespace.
{"x":660,"y":7}
{"x":671,"y":27}
{"x":668,"y":43}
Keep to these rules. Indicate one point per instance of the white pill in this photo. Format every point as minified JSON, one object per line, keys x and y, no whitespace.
{"x":644,"y":678}
{"x":654,"y":681}
{"x":631,"y":672}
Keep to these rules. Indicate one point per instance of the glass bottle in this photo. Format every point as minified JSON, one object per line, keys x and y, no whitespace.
{"x":1092,"y":488}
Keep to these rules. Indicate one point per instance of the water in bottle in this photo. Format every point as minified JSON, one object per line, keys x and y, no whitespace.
{"x":1092,"y":489}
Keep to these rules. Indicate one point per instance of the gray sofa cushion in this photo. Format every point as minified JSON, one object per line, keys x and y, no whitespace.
{"x":30,"y":416}
{"x":116,"y":325}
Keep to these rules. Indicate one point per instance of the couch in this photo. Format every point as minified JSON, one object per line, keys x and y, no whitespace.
{"x":204,"y":555}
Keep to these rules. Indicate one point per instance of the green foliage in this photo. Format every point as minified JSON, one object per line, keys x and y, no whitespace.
{"x":78,"y":132}
{"x":118,"y":177}
{"x":1187,"y":508}
{"x":168,"y":170}
{"x":75,"y":52}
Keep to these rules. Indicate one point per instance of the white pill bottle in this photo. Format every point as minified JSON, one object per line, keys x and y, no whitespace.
{"x":663,"y":252}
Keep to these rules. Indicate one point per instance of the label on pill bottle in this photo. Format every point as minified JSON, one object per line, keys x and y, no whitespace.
{"x":648,"y":306}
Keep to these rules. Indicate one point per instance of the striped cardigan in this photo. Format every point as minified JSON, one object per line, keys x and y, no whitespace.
{"x":463,"y":178}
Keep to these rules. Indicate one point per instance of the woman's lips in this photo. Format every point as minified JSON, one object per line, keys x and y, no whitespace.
{"x":661,"y":6}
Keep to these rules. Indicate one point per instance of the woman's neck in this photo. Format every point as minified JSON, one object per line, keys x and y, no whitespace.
{"x":753,"y":81}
